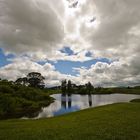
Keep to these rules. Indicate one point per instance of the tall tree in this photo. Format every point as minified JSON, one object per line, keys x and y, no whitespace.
{"x":22,"y":81}
{"x":25,"y":81}
{"x":89,"y":87}
{"x":35,"y":79}
{"x":19,"y":81}
{"x":64,"y":86}
{"x":69,"y":86}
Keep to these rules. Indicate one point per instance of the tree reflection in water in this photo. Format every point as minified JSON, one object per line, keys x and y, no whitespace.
{"x":66,"y":101}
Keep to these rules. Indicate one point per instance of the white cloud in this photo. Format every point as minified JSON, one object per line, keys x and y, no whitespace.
{"x":40,"y":28}
{"x":31,"y":25}
{"x":100,"y":74}
{"x":114,"y":74}
{"x":21,"y":67}
{"x":116,"y":18}
{"x":58,"y":55}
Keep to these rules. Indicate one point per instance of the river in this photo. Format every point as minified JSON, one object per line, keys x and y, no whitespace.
{"x":71,"y":103}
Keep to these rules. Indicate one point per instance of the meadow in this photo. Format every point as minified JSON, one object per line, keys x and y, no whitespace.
{"x":111,"y":122}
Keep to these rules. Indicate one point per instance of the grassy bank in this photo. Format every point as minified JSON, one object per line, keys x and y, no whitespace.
{"x":52,"y":91}
{"x":111,"y":122}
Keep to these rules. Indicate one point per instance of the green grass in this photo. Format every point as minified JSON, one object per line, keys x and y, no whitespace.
{"x":52,"y":91}
{"x":112,"y":122}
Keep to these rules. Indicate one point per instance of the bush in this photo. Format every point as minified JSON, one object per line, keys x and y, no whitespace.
{"x":6,"y":89}
{"x":19,"y":100}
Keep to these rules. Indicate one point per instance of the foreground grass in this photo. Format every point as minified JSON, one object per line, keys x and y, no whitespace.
{"x":111,"y":122}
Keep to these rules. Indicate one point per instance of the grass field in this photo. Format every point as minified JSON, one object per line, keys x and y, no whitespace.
{"x":112,"y":122}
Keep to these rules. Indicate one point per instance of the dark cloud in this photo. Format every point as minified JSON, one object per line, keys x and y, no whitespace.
{"x":37,"y":26}
{"x":30,"y":25}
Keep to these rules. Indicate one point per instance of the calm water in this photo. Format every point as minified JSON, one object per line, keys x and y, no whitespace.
{"x":64,"y":103}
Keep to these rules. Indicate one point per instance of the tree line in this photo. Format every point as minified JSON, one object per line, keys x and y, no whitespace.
{"x":69,"y":87}
{"x":22,"y":98}
{"x":33,"y":79}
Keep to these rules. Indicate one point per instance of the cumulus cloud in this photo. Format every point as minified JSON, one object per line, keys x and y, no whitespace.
{"x":21,"y":67}
{"x":39,"y":28}
{"x":58,"y":55}
{"x":114,"y":35}
{"x":100,"y":74}
{"x":114,"y":74}
{"x":116,"y":19}
{"x":30,"y":25}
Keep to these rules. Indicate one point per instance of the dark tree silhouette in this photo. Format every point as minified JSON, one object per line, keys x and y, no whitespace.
{"x":64,"y":86}
{"x":89,"y":87}
{"x":69,"y":86}
{"x":22,"y":81}
{"x":35,"y":79}
{"x":25,"y":81}
{"x":19,"y":81}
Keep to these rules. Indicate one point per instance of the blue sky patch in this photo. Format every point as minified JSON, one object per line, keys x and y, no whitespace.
{"x":88,"y":54}
{"x":67,"y":51}
{"x":66,"y":67}
{"x":42,"y":62}
{"x":4,"y":58}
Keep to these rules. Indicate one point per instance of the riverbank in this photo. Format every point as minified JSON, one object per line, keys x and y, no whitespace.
{"x":117,"y":121}
{"x":110,"y":91}
{"x":17,"y":100}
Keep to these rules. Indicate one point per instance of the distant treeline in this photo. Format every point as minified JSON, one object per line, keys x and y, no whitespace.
{"x":68,"y":87}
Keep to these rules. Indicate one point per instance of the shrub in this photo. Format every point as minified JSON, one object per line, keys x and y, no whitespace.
{"x":6,"y":89}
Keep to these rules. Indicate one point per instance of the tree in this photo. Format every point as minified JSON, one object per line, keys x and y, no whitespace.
{"x":35,"y":79}
{"x":64,"y":86}
{"x":69,"y":86}
{"x":22,"y":81}
{"x":89,"y":87}
{"x":25,"y":81}
{"x":19,"y":81}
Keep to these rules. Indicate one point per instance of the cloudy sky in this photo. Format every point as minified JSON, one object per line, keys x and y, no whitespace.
{"x":81,"y":40}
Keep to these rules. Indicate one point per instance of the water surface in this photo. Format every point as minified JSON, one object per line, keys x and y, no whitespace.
{"x":70,"y":103}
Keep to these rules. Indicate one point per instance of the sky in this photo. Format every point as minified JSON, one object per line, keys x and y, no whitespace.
{"x":80,"y":40}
